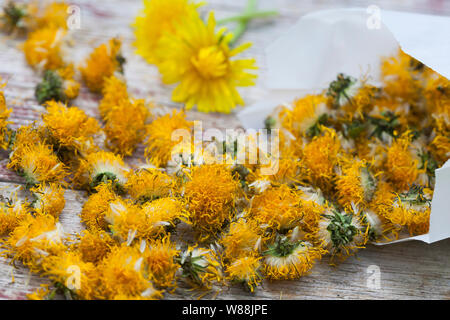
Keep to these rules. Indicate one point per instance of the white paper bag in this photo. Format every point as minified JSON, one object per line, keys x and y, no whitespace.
{"x":352,"y":41}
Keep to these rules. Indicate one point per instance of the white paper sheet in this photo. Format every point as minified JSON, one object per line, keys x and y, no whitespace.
{"x":322,"y":44}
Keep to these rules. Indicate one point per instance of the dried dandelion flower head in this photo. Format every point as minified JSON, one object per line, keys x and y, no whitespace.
{"x":160,"y":262}
{"x":285,"y":260}
{"x":43,"y":48}
{"x":23,"y":138}
{"x":147,"y":184}
{"x":282,"y":208}
{"x":245,"y":270}
{"x":101,"y":64}
{"x":58,"y":85}
{"x":102,"y":166}
{"x":15,"y":17}
{"x":242,"y":239}
{"x":69,"y":127}
{"x":201,"y":62}
{"x":125,"y":126}
{"x":210,"y":195}
{"x":341,"y":233}
{"x":158,"y":18}
{"x":5,"y":133}
{"x":61,"y":269}
{"x":201,"y":267}
{"x":411,"y":209}
{"x":12,"y":211}
{"x":164,"y":214}
{"x":94,"y":245}
{"x":159,"y":144}
{"x":400,"y":77}
{"x":355,"y":183}
{"x":122,"y":277}
{"x":114,"y":92}
{"x":43,"y":292}
{"x":128,"y":221}
{"x":53,"y":15}
{"x":402,"y":163}
{"x":320,"y":157}
{"x":305,"y":115}
{"x":49,"y":199}
{"x":35,"y":238}
{"x":38,"y":164}
{"x":95,"y":208}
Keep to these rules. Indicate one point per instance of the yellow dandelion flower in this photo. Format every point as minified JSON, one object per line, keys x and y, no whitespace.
{"x":126,"y":221}
{"x":102,"y":166}
{"x":400,"y":79}
{"x":94,"y":245}
{"x":41,"y":293}
{"x":379,"y":228}
{"x":43,"y":48}
{"x":201,"y":267}
{"x":202,"y":64}
{"x":290,"y":171}
{"x":163,"y":215}
{"x":210,"y":196}
{"x":243,"y":239}
{"x":341,"y":233}
{"x":411,"y":209}
{"x":281,"y":208}
{"x":35,"y":238}
{"x":157,"y":18}
{"x":4,"y":115}
{"x":129,"y":222}
{"x":304,"y":116}
{"x":38,"y":164}
{"x":72,"y":273}
{"x":11,"y":213}
{"x":320,"y":158}
{"x":245,"y":270}
{"x":286,"y":260}
{"x":159,"y":142}
{"x":54,"y":15}
{"x":95,"y":208}
{"x":437,"y":91}
{"x":69,"y":127}
{"x":147,"y":184}
{"x":58,"y":85}
{"x":160,"y":261}
{"x":440,"y":147}
{"x":122,"y":276}
{"x":360,"y":103}
{"x":49,"y":199}
{"x":24,"y":137}
{"x":113,"y":92}
{"x":355,"y":184}
{"x":101,"y":64}
{"x":381,"y":206}
{"x":125,"y":126}
{"x":401,"y":164}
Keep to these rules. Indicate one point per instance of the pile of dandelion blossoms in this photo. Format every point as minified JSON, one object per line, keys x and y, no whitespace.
{"x":356,"y":166}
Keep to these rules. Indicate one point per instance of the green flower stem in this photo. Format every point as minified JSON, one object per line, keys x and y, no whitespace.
{"x":242,"y":19}
{"x":249,"y":16}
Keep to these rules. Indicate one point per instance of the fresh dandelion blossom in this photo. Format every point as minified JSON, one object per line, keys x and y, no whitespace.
{"x":202,"y":64}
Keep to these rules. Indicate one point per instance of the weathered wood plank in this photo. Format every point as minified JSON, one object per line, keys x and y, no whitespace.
{"x":408,"y":270}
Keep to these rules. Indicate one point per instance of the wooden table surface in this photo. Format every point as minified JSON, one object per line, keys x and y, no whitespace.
{"x":411,"y":270}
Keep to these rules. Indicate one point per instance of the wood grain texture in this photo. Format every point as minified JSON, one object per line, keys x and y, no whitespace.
{"x":409,"y":270}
